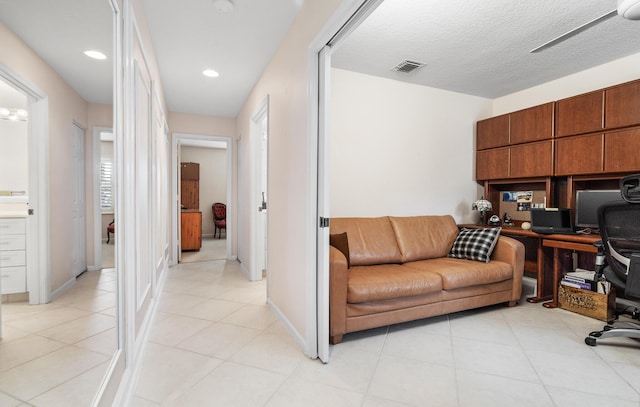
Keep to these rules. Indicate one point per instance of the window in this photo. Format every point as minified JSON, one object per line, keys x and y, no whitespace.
{"x":107,"y":174}
{"x":106,"y":184}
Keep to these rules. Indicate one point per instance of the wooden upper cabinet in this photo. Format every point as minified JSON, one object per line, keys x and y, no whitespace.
{"x":622,"y":151}
{"x":580,"y":114}
{"x":580,"y":154}
{"x":532,"y":124}
{"x":493,"y":132}
{"x":492,"y":164}
{"x":622,"y":105}
{"x":532,"y":159}
{"x":190,"y":171}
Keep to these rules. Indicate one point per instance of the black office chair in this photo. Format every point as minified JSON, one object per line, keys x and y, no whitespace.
{"x":619,"y":224}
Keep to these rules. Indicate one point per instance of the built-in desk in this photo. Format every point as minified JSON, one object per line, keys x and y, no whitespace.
{"x":557,"y":242}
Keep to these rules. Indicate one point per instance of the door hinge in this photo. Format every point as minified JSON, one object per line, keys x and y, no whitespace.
{"x":324,"y":222}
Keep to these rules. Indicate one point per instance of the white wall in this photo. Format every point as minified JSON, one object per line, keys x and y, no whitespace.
{"x":213,"y":180}
{"x":612,"y":73}
{"x":286,"y":81}
{"x":14,"y":162}
{"x":66,"y":107}
{"x":401,"y":149}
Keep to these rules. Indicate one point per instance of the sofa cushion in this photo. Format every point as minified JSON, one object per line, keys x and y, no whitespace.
{"x":424,"y":237}
{"x":458,"y":273}
{"x":371,"y":240}
{"x":387,"y":281}
{"x":475,"y":244}
{"x":341,"y":242}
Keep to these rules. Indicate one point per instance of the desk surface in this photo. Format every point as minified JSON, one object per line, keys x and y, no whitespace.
{"x":516,"y":231}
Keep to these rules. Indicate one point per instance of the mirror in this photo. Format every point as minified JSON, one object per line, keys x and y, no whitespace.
{"x":60,"y":323}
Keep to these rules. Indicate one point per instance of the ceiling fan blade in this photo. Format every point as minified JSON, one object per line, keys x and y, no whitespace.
{"x":575,"y":31}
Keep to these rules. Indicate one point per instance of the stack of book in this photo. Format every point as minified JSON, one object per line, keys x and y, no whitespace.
{"x":585,"y":280}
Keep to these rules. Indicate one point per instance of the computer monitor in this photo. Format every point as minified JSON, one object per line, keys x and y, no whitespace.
{"x":587,"y":203}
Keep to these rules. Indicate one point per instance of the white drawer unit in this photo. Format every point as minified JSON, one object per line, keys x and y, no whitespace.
{"x":13,"y":226}
{"x":13,"y":256}
{"x":12,"y":242}
{"x":13,"y":279}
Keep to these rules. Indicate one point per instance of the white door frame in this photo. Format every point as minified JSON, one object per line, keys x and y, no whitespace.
{"x":255,"y":186}
{"x":79,"y":200}
{"x":38,"y":262}
{"x":97,"y":210}
{"x":345,"y":19}
{"x":178,"y":139}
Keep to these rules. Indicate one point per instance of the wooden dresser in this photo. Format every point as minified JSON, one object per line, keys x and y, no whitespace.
{"x":191,"y":217}
{"x":191,"y":229}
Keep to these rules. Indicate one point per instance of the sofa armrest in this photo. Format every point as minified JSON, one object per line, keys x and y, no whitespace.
{"x":511,"y":251}
{"x":338,"y":271}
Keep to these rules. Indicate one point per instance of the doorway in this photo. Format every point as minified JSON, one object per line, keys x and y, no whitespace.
{"x":259,"y":192}
{"x":213,"y":154}
{"x":37,"y":224}
{"x":343,"y":24}
{"x":104,"y":177}
{"x":79,"y":259}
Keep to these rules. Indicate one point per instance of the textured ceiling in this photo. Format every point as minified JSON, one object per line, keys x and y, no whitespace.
{"x":482,"y":48}
{"x":477,"y":47}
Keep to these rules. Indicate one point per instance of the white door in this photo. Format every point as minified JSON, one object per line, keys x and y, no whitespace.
{"x":324,"y":69}
{"x":77,"y":205}
{"x":258,"y":192}
{"x":179,"y":205}
{"x":261,"y":236}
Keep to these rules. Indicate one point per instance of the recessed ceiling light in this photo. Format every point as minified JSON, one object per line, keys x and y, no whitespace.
{"x":95,"y":54}
{"x":210,"y":73}
{"x":223,"y":5}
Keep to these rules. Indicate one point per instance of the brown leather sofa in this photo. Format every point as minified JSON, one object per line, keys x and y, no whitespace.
{"x":397,"y":269}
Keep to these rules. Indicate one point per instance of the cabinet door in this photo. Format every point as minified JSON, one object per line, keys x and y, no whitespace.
{"x":622,"y":105}
{"x":492,"y":164}
{"x":532,"y":124}
{"x":190,"y":194}
{"x":579,"y":155}
{"x":190,"y":171}
{"x":579,"y":114}
{"x":191,"y":231}
{"x":493,"y":132}
{"x":621,"y":151}
{"x":532,"y":160}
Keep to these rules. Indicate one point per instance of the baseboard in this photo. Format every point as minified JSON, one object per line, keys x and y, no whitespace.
{"x":64,"y":287}
{"x":245,"y":271}
{"x":126,"y":392}
{"x":289,"y":327}
{"x":93,"y":268}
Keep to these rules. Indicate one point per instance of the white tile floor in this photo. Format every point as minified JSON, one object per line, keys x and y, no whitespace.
{"x":214,"y":342}
{"x":56,"y":354}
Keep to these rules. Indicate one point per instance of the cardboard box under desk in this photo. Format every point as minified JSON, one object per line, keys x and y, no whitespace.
{"x":589,"y":303}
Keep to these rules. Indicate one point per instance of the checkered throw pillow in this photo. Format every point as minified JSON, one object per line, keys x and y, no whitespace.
{"x":475,"y":244}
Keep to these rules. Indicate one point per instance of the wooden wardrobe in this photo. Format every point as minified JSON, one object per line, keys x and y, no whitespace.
{"x":191,"y":217}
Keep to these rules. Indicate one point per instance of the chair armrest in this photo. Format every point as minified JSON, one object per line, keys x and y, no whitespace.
{"x":338,"y":273}
{"x":511,"y":251}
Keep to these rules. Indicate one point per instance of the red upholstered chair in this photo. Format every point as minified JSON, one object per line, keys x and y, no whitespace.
{"x":111,"y":229}
{"x":219,"y":218}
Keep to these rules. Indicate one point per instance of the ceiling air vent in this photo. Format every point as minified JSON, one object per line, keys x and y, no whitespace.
{"x":408,"y":66}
